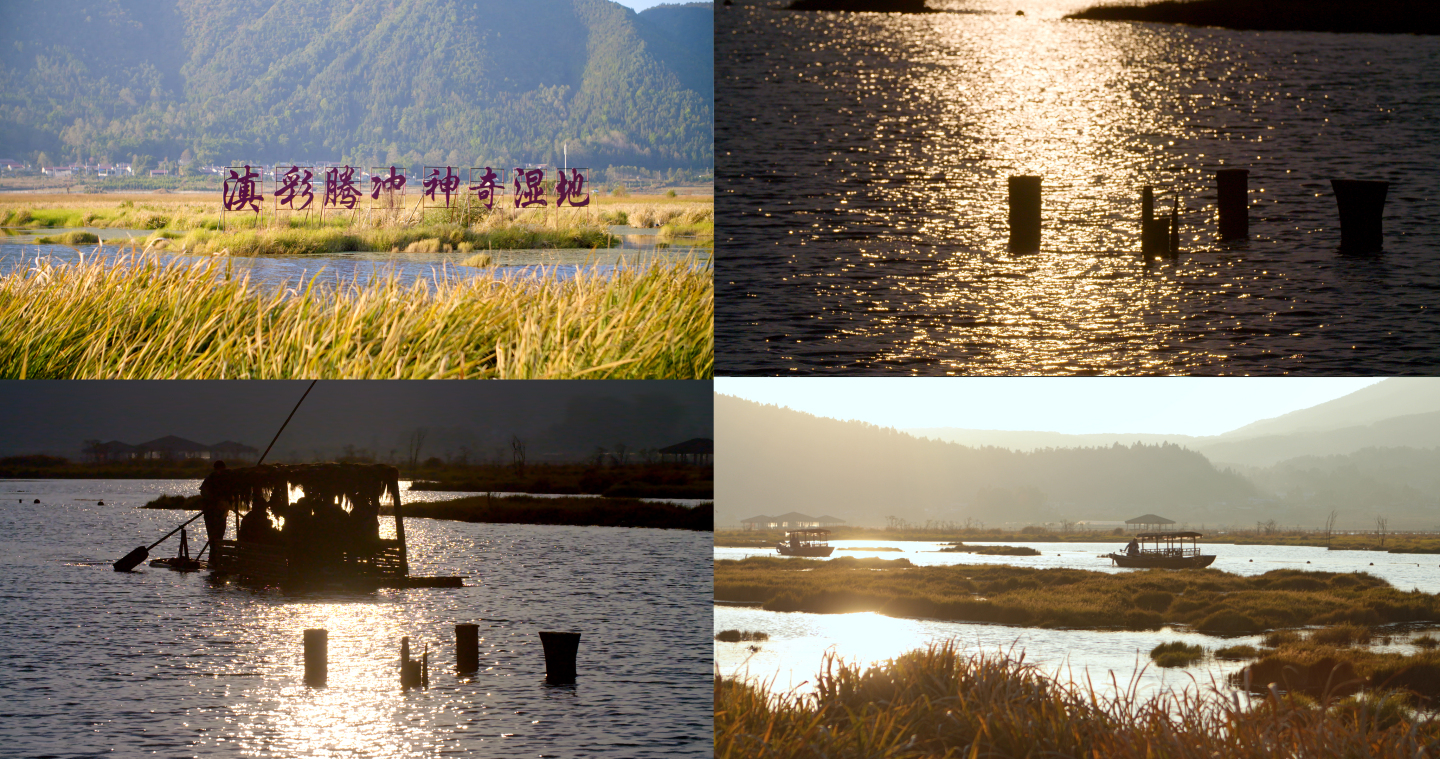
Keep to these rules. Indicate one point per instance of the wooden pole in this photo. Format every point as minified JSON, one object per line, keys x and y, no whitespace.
{"x":1024,"y":214}
{"x":1362,"y":208}
{"x":467,"y":647}
{"x":1234,"y":190}
{"x":561,"y":649}
{"x":317,"y":657}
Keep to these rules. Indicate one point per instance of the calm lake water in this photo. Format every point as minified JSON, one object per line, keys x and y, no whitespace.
{"x":362,"y":267}
{"x":169,"y":664}
{"x":862,"y":194}
{"x":798,"y":641}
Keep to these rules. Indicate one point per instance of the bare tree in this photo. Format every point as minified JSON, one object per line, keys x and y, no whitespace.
{"x":620,"y":453}
{"x":1330,"y":527}
{"x":414,"y":444}
{"x":1381,"y":523}
{"x":517,"y":453}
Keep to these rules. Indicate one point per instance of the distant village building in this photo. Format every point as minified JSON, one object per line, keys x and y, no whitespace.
{"x":170,"y":448}
{"x":10,"y":164}
{"x":700,"y":450}
{"x":1148,"y":523}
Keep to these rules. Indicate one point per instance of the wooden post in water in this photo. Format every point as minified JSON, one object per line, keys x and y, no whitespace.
{"x":317,"y":657}
{"x":1234,"y":189}
{"x":1175,"y":227}
{"x":1024,"y":214}
{"x":1148,"y":228}
{"x":1362,"y":207}
{"x":467,"y":648}
{"x":561,"y":649}
{"x":410,"y":674}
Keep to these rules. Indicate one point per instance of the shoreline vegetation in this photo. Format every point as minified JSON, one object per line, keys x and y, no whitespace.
{"x":633,"y":480}
{"x":527,"y":509}
{"x":140,"y":317}
{"x":1378,"y":17}
{"x":191,"y":226}
{"x":1209,"y":601}
{"x":990,"y":550}
{"x":938,"y":701}
{"x":1390,"y":542}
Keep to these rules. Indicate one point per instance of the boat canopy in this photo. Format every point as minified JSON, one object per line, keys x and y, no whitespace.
{"x":1168,"y":535}
{"x":811,"y":533}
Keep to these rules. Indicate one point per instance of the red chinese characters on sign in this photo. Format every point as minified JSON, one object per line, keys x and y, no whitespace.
{"x":533,"y":192}
{"x":568,"y":189}
{"x":340,"y":189}
{"x":446,"y":185}
{"x":391,"y":183}
{"x":293,"y":185}
{"x":487,"y":188}
{"x":240,"y":193}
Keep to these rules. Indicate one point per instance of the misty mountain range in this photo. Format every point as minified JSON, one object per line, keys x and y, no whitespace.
{"x":371,"y":82}
{"x":559,"y":421}
{"x":1375,"y":452}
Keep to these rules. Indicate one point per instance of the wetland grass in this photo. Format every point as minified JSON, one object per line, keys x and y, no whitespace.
{"x":142,"y":318}
{"x":195,"y":225}
{"x":938,"y":702}
{"x":1207,"y":600}
{"x":1176,"y":654}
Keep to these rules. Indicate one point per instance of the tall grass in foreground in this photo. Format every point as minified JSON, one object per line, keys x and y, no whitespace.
{"x":141,"y":318}
{"x":939,"y":703}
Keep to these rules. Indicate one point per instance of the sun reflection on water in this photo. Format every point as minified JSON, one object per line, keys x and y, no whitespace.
{"x":864,"y":185}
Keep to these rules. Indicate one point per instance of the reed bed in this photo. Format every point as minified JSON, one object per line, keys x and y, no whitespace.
{"x":1208,"y":600}
{"x":139,"y":317}
{"x":198,"y":226}
{"x":939,"y":703}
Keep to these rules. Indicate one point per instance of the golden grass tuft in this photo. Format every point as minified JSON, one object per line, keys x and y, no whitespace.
{"x":937,"y":702}
{"x":141,"y":318}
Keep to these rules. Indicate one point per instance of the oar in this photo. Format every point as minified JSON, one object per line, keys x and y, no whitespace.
{"x":142,"y":553}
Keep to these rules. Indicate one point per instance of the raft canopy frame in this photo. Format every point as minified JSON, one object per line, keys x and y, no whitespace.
{"x":1174,"y":543}
{"x":331,"y":531}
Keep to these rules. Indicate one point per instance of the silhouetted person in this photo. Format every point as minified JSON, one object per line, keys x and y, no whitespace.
{"x":1133,"y":548}
{"x":213,"y":505}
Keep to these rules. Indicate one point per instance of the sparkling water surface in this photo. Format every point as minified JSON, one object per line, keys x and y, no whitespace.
{"x":862,"y":194}
{"x":159,"y":663}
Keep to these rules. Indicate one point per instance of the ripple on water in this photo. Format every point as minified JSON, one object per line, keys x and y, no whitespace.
{"x":862,"y":183}
{"x":168,"y":663}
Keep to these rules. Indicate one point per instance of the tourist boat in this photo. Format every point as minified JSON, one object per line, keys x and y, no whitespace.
{"x":1163,"y":550}
{"x":329,"y":535}
{"x":805,"y":543}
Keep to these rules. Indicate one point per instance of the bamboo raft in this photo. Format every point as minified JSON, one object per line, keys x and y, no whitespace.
{"x":330,"y":535}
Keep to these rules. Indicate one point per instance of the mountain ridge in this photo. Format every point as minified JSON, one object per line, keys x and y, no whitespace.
{"x":370,"y":82}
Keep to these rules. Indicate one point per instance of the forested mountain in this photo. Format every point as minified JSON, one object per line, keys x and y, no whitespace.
{"x":1398,"y":412}
{"x":775,"y":460}
{"x":372,"y":82}
{"x":1399,"y":484}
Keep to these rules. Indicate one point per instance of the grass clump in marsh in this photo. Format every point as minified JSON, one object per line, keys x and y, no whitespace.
{"x":141,"y":317}
{"x":1208,"y":600}
{"x":938,"y":702}
{"x":739,"y":636}
{"x":69,"y":238}
{"x":990,"y":550}
{"x":1176,"y":654}
{"x":1319,"y":669}
{"x":1237,"y":653}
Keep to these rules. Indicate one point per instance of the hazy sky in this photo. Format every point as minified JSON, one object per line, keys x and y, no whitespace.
{"x":1075,"y":405}
{"x":561,"y":419}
